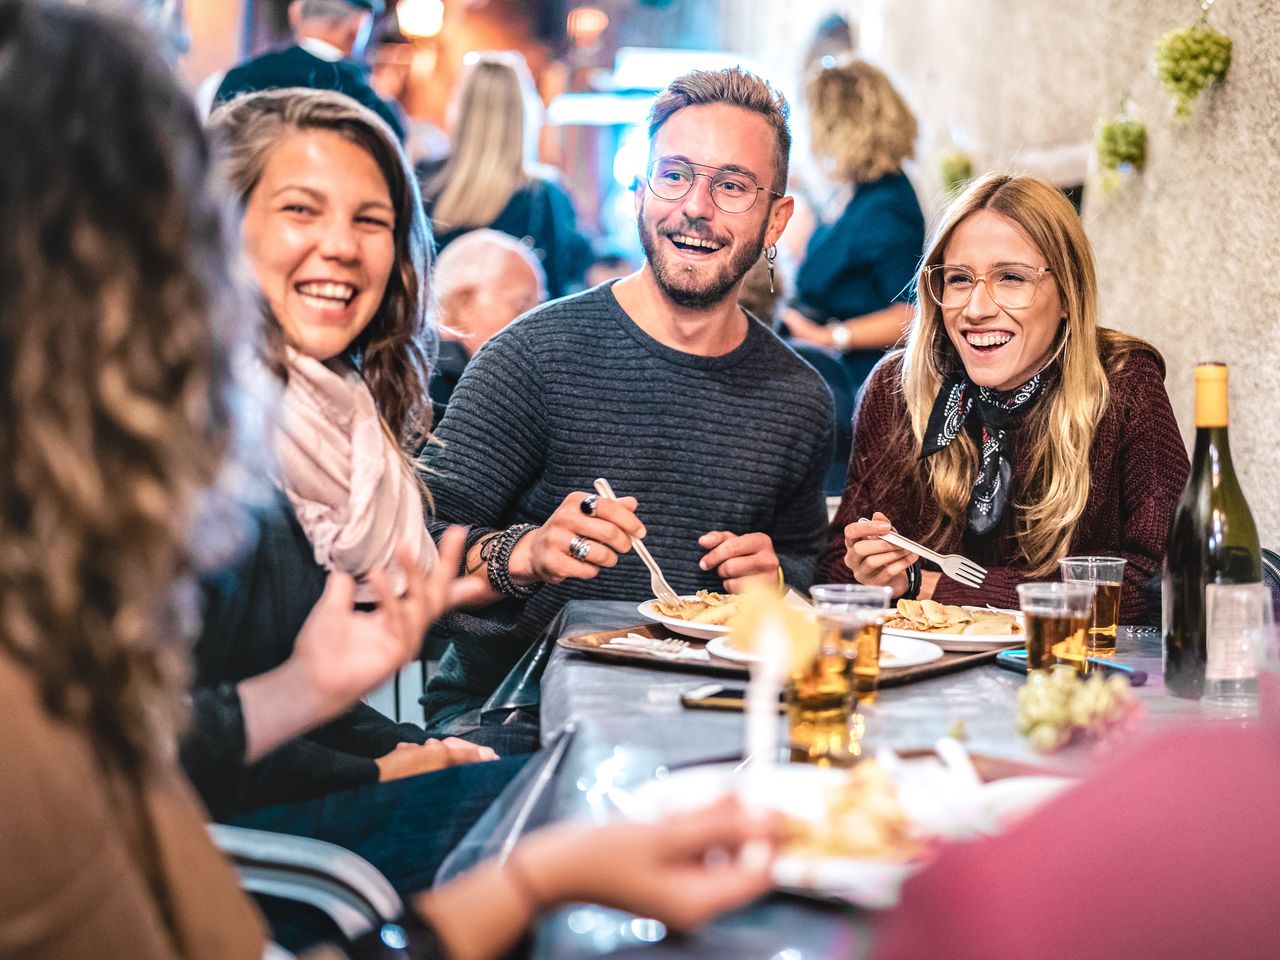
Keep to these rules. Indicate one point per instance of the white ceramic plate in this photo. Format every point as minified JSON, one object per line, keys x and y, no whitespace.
{"x":699,"y":631}
{"x":962,"y":642}
{"x":894,"y":651}
{"x":797,"y":790}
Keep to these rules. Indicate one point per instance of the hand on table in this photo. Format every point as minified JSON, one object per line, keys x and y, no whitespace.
{"x":411,"y":759}
{"x":739,"y":560}
{"x":680,"y":871}
{"x":871,"y":559}
{"x":543,"y":555}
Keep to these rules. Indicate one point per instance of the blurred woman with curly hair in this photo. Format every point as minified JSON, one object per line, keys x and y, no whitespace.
{"x":853,"y":287}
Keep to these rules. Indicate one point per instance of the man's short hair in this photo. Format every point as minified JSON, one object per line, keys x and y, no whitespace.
{"x":470,"y":261}
{"x":334,"y":9}
{"x":737,"y":88}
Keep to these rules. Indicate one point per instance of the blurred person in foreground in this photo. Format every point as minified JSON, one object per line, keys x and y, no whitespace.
{"x":853,"y":286}
{"x":1013,"y":428}
{"x":331,"y":39}
{"x":483,"y":281}
{"x":713,"y":433}
{"x":491,"y":177}
{"x":119,"y":285}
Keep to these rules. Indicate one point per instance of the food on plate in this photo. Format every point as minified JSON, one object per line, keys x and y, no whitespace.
{"x":708,"y":607}
{"x":863,"y":818}
{"x":930,"y":616}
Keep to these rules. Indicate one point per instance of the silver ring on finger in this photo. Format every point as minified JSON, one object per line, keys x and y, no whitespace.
{"x":588,"y":504}
{"x":579,"y":547}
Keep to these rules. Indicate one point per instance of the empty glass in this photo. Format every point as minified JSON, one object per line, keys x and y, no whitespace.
{"x":1240,"y":633}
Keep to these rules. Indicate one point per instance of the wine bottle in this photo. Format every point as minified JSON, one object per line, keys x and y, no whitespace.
{"x":1212,"y":539}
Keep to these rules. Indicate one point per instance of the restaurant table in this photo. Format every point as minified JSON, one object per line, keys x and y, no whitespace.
{"x":607,"y":727}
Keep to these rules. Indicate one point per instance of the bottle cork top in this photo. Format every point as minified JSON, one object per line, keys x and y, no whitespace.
{"x":1211,"y":395}
{"x":1211,"y":371}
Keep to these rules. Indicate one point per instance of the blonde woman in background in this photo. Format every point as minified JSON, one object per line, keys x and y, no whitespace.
{"x":491,"y":179}
{"x":853,"y":286}
{"x":1012,"y":428}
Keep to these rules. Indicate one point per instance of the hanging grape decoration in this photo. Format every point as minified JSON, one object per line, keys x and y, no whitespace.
{"x":956,"y":168}
{"x":1121,"y":145}
{"x":1190,"y":59}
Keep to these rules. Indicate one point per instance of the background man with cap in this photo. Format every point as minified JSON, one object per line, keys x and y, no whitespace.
{"x":331,"y":36}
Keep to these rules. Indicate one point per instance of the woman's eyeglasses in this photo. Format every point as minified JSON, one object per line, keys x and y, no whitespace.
{"x":1012,"y":286}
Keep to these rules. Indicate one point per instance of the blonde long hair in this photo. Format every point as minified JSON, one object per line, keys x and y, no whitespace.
{"x":490,"y":156}
{"x":1050,"y":499}
{"x":861,"y":125}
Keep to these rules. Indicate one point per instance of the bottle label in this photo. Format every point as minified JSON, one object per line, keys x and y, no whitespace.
{"x":1236,"y":629}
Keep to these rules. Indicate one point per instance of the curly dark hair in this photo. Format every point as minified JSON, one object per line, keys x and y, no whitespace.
{"x":394,"y":352}
{"x":113,"y":367}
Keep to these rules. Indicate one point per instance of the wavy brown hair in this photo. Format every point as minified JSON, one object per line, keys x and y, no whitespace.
{"x":861,"y":125}
{"x":112,"y":410}
{"x":394,"y":352}
{"x":1059,"y":429}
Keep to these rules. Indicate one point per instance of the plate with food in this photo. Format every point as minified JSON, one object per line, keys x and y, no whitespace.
{"x":894,"y":651}
{"x":856,"y":834}
{"x":954,"y":627}
{"x":703,"y":615}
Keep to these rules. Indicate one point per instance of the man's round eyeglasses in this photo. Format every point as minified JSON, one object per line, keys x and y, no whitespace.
{"x":731,"y":190}
{"x":1012,"y":286}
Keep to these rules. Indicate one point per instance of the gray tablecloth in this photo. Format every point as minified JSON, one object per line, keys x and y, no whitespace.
{"x":612,"y":726}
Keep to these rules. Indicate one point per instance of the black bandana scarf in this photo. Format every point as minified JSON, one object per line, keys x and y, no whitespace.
{"x":996,"y":411}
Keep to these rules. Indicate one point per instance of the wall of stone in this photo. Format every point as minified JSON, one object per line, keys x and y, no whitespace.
{"x":1188,"y":251}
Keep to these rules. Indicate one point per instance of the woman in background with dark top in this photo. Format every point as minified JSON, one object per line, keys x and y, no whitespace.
{"x":1012,"y":428}
{"x":490,"y":178}
{"x":854,"y":286}
{"x":115,"y":411}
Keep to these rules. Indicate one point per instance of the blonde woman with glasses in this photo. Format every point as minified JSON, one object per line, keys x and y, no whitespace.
{"x":491,"y":179}
{"x":1012,"y":428}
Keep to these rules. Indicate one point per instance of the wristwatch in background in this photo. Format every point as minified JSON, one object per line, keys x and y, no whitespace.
{"x":841,"y":335}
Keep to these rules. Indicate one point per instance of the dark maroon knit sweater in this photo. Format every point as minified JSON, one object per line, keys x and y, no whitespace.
{"x":1138,"y":466}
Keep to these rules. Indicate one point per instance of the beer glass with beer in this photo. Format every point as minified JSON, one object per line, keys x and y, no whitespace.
{"x":1057,"y":619}
{"x":1105,"y":574}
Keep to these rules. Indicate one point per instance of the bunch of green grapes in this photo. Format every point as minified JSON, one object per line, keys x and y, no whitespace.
{"x":956,"y":168}
{"x":1121,"y":142}
{"x":1054,"y":707}
{"x":1190,"y":59}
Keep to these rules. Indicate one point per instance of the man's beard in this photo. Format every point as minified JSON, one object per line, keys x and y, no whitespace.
{"x":680,"y":284}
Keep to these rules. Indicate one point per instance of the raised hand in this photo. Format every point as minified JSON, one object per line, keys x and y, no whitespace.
{"x":739,"y":560}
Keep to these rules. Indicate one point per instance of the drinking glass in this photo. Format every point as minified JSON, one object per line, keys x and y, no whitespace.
{"x":1240,"y":633}
{"x":1106,"y":574}
{"x":1057,"y":618}
{"x":843,"y":671}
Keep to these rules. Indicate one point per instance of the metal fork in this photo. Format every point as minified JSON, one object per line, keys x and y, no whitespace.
{"x":665,"y":648}
{"x":958,"y":568}
{"x":657,"y":582}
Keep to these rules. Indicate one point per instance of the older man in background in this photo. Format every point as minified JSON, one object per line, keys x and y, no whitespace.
{"x":331,"y":38}
{"x":483,"y":281}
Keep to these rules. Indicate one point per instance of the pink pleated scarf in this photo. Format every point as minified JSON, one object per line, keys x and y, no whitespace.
{"x":350,"y":487}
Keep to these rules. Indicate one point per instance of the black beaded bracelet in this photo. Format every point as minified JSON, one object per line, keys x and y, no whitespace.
{"x":914,"y":580}
{"x":500,"y":559}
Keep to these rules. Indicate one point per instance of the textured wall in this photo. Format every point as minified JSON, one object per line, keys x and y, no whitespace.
{"x":1189,"y":251}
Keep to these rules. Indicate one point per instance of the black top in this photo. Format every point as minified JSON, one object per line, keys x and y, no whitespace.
{"x":254,"y":609}
{"x":576,"y":390}
{"x":863,"y":261}
{"x":296,"y":67}
{"x":542,"y":215}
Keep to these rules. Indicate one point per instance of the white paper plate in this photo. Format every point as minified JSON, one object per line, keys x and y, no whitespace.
{"x":699,"y":631}
{"x":894,"y":651}
{"x":797,"y":790}
{"x":963,"y":642}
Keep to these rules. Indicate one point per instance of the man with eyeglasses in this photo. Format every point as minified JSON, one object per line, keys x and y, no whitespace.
{"x":713,"y":433}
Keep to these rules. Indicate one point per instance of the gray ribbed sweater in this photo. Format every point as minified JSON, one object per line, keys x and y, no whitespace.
{"x":576,"y":390}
